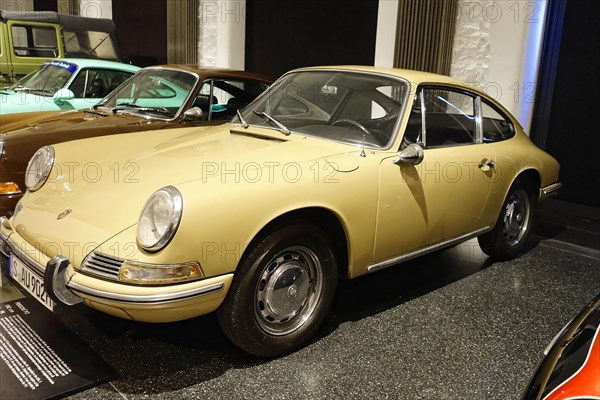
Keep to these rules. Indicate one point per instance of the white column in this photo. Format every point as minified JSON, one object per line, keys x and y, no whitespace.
{"x":222,"y":33}
{"x":96,"y":8}
{"x":385,"y":41}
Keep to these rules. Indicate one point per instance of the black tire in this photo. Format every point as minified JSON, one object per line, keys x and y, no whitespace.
{"x":282,"y":291}
{"x":509,"y":237}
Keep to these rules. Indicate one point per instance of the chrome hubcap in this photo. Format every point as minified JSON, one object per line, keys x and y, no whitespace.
{"x":516,"y":217}
{"x":288,"y":290}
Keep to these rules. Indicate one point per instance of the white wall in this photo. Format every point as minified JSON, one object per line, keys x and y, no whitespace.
{"x":16,"y":5}
{"x":222,"y":33}
{"x":497,"y":49}
{"x":96,"y":8}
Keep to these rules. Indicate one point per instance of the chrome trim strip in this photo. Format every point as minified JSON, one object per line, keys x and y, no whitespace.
{"x":549,"y":191}
{"x":423,"y":119}
{"x":425,"y":250}
{"x":478,"y":121}
{"x":145,"y":299}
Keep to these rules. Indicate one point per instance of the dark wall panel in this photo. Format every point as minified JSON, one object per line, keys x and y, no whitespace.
{"x":286,"y":34}
{"x":142,"y":30}
{"x":573,"y":131}
{"x":45,"y":5}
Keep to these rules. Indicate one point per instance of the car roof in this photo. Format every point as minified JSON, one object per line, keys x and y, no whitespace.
{"x":95,"y":63}
{"x":67,"y":21}
{"x":210,"y":72}
{"x":415,"y":77}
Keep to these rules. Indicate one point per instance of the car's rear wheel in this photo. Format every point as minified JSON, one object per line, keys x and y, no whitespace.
{"x":282,"y":291}
{"x":509,"y":237}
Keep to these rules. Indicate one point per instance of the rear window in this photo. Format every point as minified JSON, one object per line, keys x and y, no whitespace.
{"x":89,"y":44}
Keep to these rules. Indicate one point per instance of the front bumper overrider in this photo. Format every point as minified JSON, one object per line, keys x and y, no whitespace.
{"x":66,"y":285}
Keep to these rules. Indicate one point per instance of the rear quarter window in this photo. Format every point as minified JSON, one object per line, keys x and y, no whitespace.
{"x":496,"y":126}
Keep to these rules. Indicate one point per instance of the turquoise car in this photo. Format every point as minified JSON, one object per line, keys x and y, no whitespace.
{"x":64,"y":84}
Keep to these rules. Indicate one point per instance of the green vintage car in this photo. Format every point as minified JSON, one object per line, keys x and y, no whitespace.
{"x":64,"y":84}
{"x":29,"y":38}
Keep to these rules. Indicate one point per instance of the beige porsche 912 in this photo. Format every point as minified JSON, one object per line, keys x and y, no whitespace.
{"x":334,"y":172}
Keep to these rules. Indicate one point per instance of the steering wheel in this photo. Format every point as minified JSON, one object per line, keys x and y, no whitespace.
{"x":352,"y":122}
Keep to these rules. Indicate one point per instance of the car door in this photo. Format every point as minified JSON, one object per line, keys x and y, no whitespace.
{"x":442,"y":198}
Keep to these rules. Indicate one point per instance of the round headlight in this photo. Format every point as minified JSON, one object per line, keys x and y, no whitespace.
{"x":39,"y":168}
{"x":159,"y":219}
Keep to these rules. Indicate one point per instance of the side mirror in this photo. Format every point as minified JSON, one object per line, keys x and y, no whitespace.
{"x":63,"y":96}
{"x":193,"y":114}
{"x":412,"y":154}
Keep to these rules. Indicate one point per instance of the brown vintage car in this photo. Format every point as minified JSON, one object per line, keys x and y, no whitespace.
{"x":155,"y":98}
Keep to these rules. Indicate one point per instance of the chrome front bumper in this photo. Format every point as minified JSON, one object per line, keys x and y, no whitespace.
{"x":65,"y":285}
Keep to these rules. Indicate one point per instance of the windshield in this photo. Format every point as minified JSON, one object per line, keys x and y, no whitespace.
{"x":349,"y":107}
{"x":90,"y":44}
{"x":48,"y":79}
{"x":158,"y":92}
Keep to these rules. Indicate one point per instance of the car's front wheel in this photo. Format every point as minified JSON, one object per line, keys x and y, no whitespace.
{"x":282,"y":291}
{"x":509,"y":237}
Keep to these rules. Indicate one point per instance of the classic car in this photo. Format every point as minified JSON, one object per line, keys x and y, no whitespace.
{"x":65,"y":84}
{"x":334,"y":172}
{"x":29,"y":38}
{"x":571,"y":367}
{"x":155,"y":98}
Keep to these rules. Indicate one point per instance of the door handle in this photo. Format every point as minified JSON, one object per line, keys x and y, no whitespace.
{"x":486,"y":166}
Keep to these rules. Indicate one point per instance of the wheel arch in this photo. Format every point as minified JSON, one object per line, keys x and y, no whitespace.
{"x":323,"y":218}
{"x":530,"y":175}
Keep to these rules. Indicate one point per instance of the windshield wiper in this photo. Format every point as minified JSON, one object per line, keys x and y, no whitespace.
{"x":245,"y":125}
{"x":93,"y":111}
{"x":280,"y":127}
{"x":158,"y":110}
{"x":126,"y":105}
{"x":26,"y":89}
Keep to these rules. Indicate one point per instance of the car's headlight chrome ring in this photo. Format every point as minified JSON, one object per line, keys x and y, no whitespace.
{"x":39,"y":168}
{"x":159,"y":219}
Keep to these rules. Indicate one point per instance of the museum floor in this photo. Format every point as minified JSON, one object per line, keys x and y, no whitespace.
{"x":451,"y":325}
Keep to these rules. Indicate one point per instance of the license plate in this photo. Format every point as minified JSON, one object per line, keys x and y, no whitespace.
{"x":30,"y":281}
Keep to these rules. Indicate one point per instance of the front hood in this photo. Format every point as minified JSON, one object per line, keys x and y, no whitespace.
{"x":106,"y":181}
{"x":18,"y":102}
{"x":11,"y":122}
{"x":76,"y":121}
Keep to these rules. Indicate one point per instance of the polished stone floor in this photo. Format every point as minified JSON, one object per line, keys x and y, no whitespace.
{"x":451,"y":325}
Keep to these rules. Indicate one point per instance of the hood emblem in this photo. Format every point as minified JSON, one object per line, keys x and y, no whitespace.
{"x":64,"y":213}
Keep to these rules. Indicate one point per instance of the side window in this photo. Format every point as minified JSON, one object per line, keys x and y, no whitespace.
{"x":97,"y":83}
{"x":496,"y":127}
{"x":34,"y":41}
{"x":204,"y":100}
{"x":227,"y":97}
{"x":450,"y":118}
{"x":414,"y":129}
{"x":79,"y":84}
{"x":232,"y":95}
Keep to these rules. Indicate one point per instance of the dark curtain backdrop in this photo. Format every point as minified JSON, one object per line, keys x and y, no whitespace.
{"x":286,"y":34}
